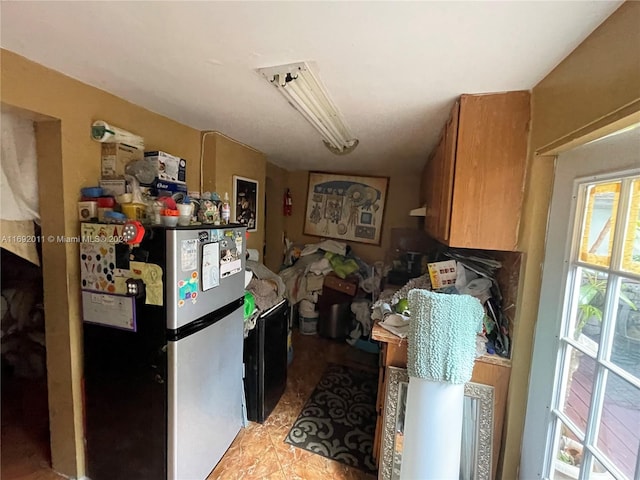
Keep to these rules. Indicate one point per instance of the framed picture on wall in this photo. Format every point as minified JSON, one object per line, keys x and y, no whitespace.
{"x":346,"y":207}
{"x":244,"y":209}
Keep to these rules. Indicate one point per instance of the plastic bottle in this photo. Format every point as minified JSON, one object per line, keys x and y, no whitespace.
{"x":226,"y":209}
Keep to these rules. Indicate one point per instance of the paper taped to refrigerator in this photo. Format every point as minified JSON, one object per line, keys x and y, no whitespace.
{"x":231,"y":268}
{"x":230,"y":261}
{"x":97,"y":265}
{"x":110,"y":310}
{"x":189,"y":255}
{"x":151,"y":275}
{"x":210,"y":266}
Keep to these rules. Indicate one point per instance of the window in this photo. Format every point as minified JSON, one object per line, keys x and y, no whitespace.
{"x":583,"y":408}
{"x":596,"y":410}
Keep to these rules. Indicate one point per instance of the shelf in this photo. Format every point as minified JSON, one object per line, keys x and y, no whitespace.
{"x":380,"y":334}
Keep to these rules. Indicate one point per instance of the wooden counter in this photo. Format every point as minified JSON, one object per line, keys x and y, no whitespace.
{"x":488,"y":370}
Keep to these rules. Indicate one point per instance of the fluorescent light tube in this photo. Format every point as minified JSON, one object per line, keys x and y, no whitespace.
{"x":304,"y":91}
{"x":317,"y":116}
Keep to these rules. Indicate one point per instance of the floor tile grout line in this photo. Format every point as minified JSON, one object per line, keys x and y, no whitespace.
{"x":276,"y":451}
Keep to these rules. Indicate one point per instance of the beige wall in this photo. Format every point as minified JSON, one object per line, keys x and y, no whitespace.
{"x":277,"y":184}
{"x":224,"y":158}
{"x":585,"y":92}
{"x":599,"y":78}
{"x":402,"y":196}
{"x":29,"y":86}
{"x":209,"y":162}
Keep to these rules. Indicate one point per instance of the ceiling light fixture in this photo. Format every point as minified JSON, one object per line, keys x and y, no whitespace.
{"x":304,"y":91}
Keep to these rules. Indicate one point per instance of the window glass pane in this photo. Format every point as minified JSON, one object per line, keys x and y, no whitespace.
{"x":631,"y":249}
{"x":578,"y":384}
{"x":626,"y":339}
{"x":568,"y":458}
{"x":599,"y":472}
{"x":599,"y":223}
{"x":619,"y":432}
{"x":589,"y":300}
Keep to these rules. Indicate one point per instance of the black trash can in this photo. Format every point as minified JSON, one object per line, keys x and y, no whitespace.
{"x":335,"y":320}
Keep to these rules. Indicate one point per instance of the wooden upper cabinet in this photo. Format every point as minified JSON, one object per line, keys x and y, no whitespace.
{"x":448,"y":164}
{"x":474,"y":179}
{"x":433,"y":189}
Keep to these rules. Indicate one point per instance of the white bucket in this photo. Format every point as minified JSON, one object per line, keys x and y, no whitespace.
{"x":309,"y":323}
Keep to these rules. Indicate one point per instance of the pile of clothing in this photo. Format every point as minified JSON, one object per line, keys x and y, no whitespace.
{"x":307,"y":267}
{"x":264,"y":288}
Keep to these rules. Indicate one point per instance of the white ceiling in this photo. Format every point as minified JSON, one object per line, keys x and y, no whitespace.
{"x":393,"y":68}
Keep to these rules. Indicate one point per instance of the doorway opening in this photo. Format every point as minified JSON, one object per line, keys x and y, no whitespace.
{"x":25,"y":406}
{"x":25,"y":409}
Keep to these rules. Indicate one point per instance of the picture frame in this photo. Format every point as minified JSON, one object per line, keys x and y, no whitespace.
{"x":346,"y":207}
{"x":476,"y":446}
{"x":244,"y":207}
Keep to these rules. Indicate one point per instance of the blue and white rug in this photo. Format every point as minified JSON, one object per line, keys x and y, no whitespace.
{"x":339,"y":419}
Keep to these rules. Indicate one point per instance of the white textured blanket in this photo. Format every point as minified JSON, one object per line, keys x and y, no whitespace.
{"x":442,"y":336}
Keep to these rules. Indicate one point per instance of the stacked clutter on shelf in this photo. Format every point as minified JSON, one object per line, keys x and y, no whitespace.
{"x":145,"y":186}
{"x":120,"y":149}
{"x":463,"y":272}
{"x":478,"y":279}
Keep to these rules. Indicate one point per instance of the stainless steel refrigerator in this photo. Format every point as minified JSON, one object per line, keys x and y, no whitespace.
{"x":163,"y":367}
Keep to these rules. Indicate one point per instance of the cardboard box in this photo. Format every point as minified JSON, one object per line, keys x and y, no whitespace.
{"x":115,"y":156}
{"x":168,"y":167}
{"x":113,"y":186}
{"x":87,"y":211}
{"x":163,"y":187}
{"x":442,"y":274}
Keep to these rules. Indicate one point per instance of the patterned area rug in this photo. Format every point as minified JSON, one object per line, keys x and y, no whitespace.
{"x":339,"y":419}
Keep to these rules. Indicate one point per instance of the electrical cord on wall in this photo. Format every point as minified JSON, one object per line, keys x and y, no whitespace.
{"x":204,"y":135}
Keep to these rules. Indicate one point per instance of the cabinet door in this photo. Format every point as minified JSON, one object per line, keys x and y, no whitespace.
{"x":448,"y":166}
{"x":489,"y":170}
{"x":434,"y":179}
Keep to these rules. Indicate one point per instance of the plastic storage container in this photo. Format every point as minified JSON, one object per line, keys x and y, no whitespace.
{"x":309,"y":323}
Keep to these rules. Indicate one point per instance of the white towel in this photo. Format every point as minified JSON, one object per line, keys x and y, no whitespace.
{"x":442,"y":336}
{"x":397,"y":324}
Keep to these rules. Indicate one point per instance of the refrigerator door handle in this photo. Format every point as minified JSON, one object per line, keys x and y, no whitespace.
{"x":159,"y":364}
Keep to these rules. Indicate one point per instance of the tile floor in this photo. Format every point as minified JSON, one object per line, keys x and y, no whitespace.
{"x":25,"y":431}
{"x":258,"y":452}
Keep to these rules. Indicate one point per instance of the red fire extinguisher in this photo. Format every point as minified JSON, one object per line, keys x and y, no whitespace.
{"x":287,"y":204}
